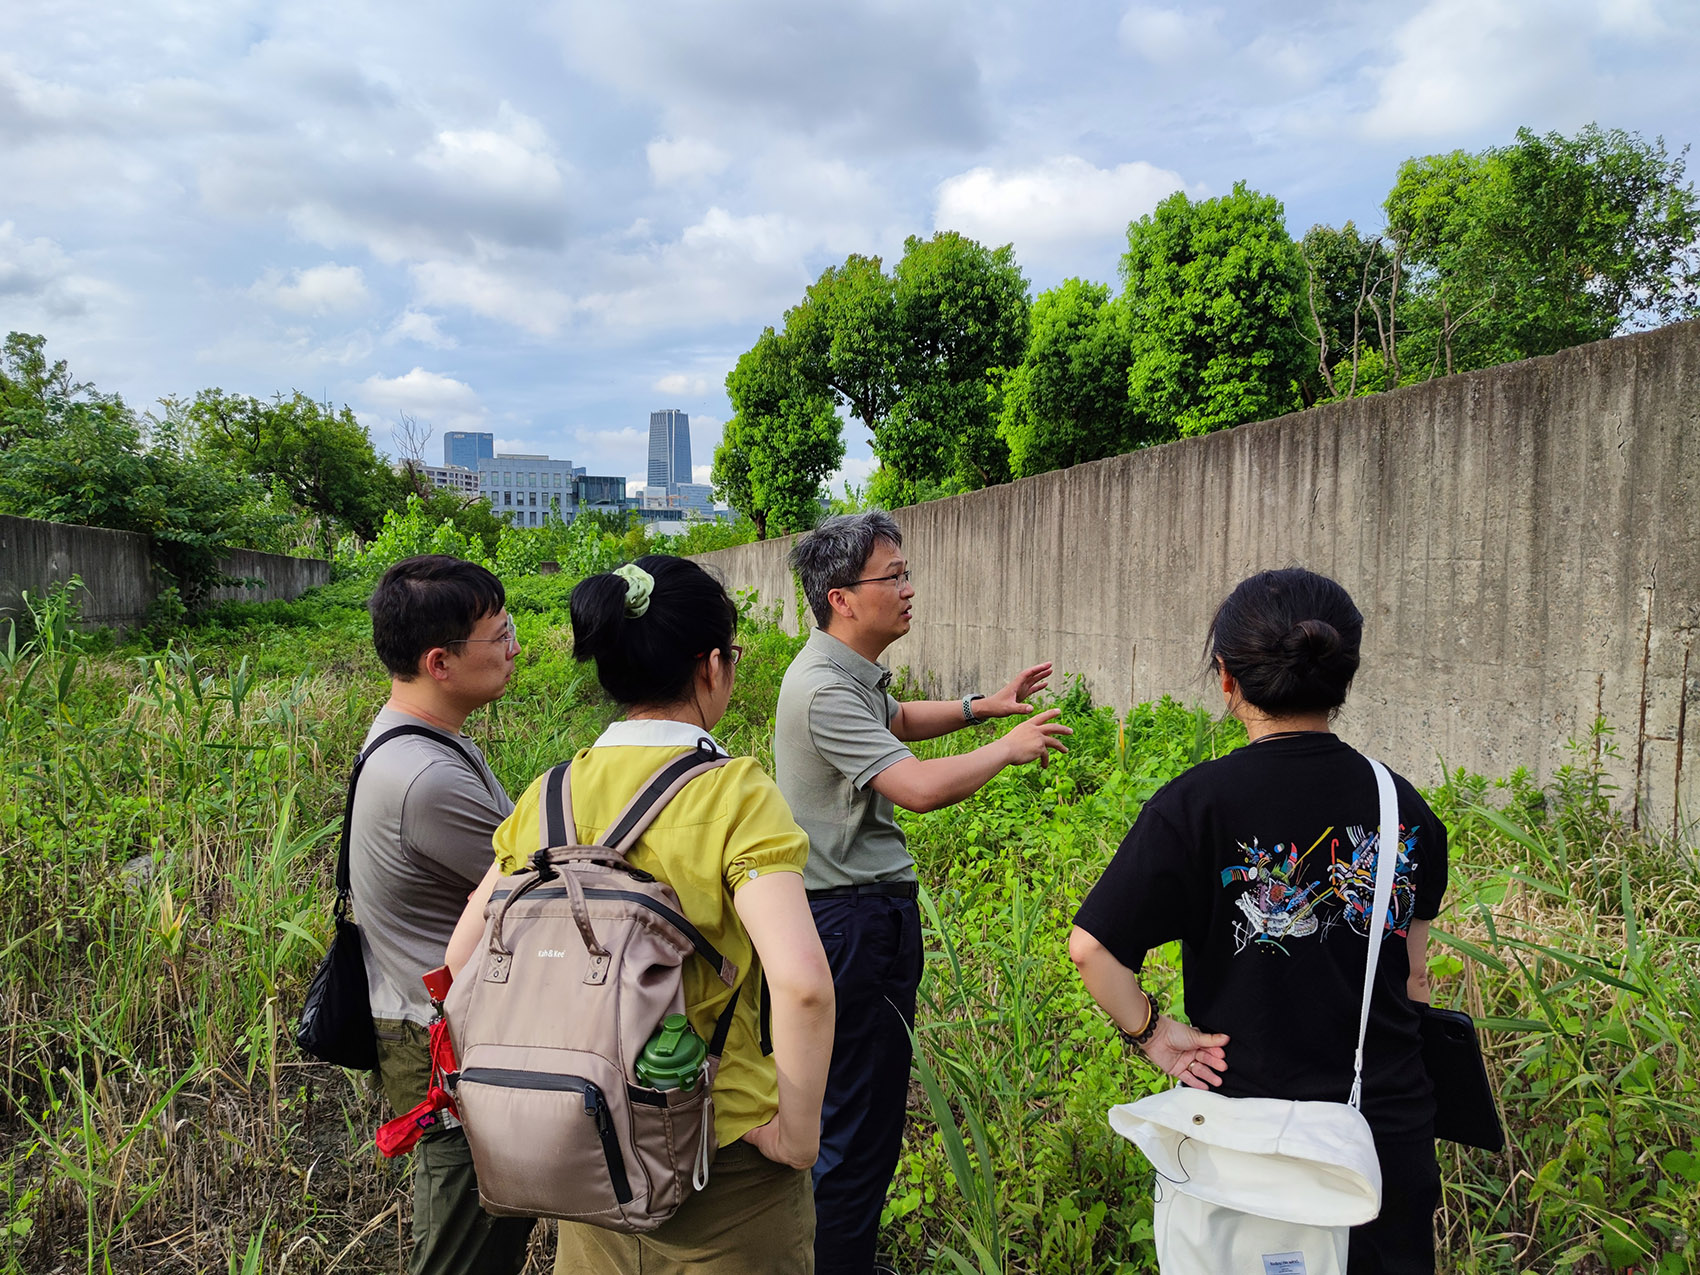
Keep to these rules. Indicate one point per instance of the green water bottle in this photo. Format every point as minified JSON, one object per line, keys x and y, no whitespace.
{"x":672,"y":1059}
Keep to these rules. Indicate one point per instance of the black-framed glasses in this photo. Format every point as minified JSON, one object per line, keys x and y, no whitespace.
{"x":897,"y":578}
{"x":510,"y":635}
{"x":735,"y":652}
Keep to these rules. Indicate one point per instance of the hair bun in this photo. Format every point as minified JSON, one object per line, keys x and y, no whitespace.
{"x":1316,"y":640}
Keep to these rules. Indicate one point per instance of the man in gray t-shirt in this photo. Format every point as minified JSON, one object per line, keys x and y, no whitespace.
{"x":420,"y":841}
{"x":842,"y":760}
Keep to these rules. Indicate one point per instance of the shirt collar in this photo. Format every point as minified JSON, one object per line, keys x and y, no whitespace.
{"x":874,"y":676}
{"x":655,"y":733}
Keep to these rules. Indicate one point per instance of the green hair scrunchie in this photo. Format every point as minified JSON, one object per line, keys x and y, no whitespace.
{"x":639,"y":585}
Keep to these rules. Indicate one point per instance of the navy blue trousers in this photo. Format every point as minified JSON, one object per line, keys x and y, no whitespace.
{"x":873,"y":943}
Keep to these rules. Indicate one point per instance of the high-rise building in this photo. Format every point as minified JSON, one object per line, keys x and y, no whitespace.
{"x":669,"y":450}
{"x":466,"y":450}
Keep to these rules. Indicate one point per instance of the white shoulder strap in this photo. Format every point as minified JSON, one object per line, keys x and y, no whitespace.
{"x":1386,"y":861}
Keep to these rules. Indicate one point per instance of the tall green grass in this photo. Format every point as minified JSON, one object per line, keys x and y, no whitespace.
{"x":167,"y":827}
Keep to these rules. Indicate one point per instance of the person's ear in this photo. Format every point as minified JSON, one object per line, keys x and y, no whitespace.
{"x":842,"y":602}
{"x":435,"y":663}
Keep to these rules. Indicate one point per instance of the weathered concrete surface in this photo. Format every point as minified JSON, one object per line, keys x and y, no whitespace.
{"x":1522,"y":542}
{"x":117,"y":573}
{"x":270,"y":576}
{"x":114,"y":566}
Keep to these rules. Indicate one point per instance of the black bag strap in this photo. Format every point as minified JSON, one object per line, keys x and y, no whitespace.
{"x":344,"y":886}
{"x":766,"y":1016}
{"x":723,"y":1024}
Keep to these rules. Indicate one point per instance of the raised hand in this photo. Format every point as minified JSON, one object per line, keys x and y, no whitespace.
{"x":1012,"y":699}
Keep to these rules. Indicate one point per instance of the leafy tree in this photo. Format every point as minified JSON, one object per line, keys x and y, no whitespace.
{"x":1547,"y":243}
{"x":1067,"y":401}
{"x":846,"y":337}
{"x":35,"y":394}
{"x":783,"y":440}
{"x":322,"y":460}
{"x":1214,"y":293}
{"x":77,"y":456}
{"x":961,"y":315}
{"x":1352,"y":286}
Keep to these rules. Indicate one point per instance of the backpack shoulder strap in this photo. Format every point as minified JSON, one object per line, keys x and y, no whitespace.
{"x":344,"y":885}
{"x":1386,"y":861}
{"x":661,"y":787}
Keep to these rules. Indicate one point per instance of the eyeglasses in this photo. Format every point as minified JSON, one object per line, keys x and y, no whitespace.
{"x":898,"y":578}
{"x":510,"y":635}
{"x":736,"y":652}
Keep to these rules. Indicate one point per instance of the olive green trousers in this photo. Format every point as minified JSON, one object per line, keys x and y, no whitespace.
{"x":452,"y":1235}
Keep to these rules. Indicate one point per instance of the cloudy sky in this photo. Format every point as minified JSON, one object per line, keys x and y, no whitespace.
{"x":546,"y":220}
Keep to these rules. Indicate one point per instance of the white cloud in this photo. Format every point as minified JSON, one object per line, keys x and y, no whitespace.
{"x":1063,"y":201}
{"x":513,"y":159}
{"x":723,"y":268}
{"x":1464,"y":66}
{"x":434,"y":399}
{"x":684,"y":159}
{"x":416,"y":325}
{"x":321,"y":290}
{"x":897,"y":76}
{"x":683,"y":385}
{"x":39,"y":274}
{"x":1167,"y":36}
{"x":856,"y":470}
{"x":523,"y":300}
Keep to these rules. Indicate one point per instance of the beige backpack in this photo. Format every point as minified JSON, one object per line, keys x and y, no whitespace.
{"x":582,"y":958}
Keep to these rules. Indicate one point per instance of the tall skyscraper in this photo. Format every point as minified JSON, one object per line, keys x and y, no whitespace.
{"x":669,"y":450}
{"x":466,"y":450}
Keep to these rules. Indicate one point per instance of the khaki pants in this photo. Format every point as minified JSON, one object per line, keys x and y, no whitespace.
{"x":754,"y":1215}
{"x":452,"y":1235}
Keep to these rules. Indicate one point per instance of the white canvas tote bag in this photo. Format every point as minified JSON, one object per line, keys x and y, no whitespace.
{"x":1262,"y":1186}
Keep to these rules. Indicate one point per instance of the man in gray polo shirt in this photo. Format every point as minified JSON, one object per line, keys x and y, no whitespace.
{"x":425,"y":810}
{"x":842,"y":761}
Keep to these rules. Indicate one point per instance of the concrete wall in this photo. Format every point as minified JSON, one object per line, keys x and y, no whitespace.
{"x":117,"y":572}
{"x":1522,"y":543}
{"x":270,"y":576}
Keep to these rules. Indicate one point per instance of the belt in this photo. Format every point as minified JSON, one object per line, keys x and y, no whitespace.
{"x":893,"y":889}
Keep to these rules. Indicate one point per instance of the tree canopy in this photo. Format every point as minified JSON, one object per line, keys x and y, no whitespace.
{"x":1067,"y":400}
{"x":784,"y":438}
{"x":1213,"y":290}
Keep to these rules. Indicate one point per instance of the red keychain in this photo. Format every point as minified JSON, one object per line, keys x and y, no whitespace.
{"x":400,"y":1135}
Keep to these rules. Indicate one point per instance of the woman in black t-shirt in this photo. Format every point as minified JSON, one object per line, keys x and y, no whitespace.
{"x":1262,"y":865}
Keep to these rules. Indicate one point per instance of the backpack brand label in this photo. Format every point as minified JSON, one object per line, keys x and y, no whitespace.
{"x":554,"y":953}
{"x":1283,"y":1264}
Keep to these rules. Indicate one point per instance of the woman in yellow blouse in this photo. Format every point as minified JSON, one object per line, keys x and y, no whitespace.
{"x":660,"y":632}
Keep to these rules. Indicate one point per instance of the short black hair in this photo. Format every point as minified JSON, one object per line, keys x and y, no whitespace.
{"x":651,"y":658}
{"x":426,"y":602}
{"x":833,"y":554}
{"x":1290,"y":639}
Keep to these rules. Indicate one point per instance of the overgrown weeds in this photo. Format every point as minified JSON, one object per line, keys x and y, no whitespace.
{"x":167,"y":827}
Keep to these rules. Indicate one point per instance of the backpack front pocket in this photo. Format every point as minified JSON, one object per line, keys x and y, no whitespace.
{"x":557,"y":1126}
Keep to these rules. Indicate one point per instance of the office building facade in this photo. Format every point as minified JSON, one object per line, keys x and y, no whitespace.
{"x":528,"y":490}
{"x":456,"y":478}
{"x":669,"y":450}
{"x":464,"y":450}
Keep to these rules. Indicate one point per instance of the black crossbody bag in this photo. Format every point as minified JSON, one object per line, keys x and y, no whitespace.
{"x":1464,"y":1109}
{"x":336,"y":1019}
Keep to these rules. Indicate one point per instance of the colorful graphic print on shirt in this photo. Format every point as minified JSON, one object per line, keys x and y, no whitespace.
{"x":1279,"y":905}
